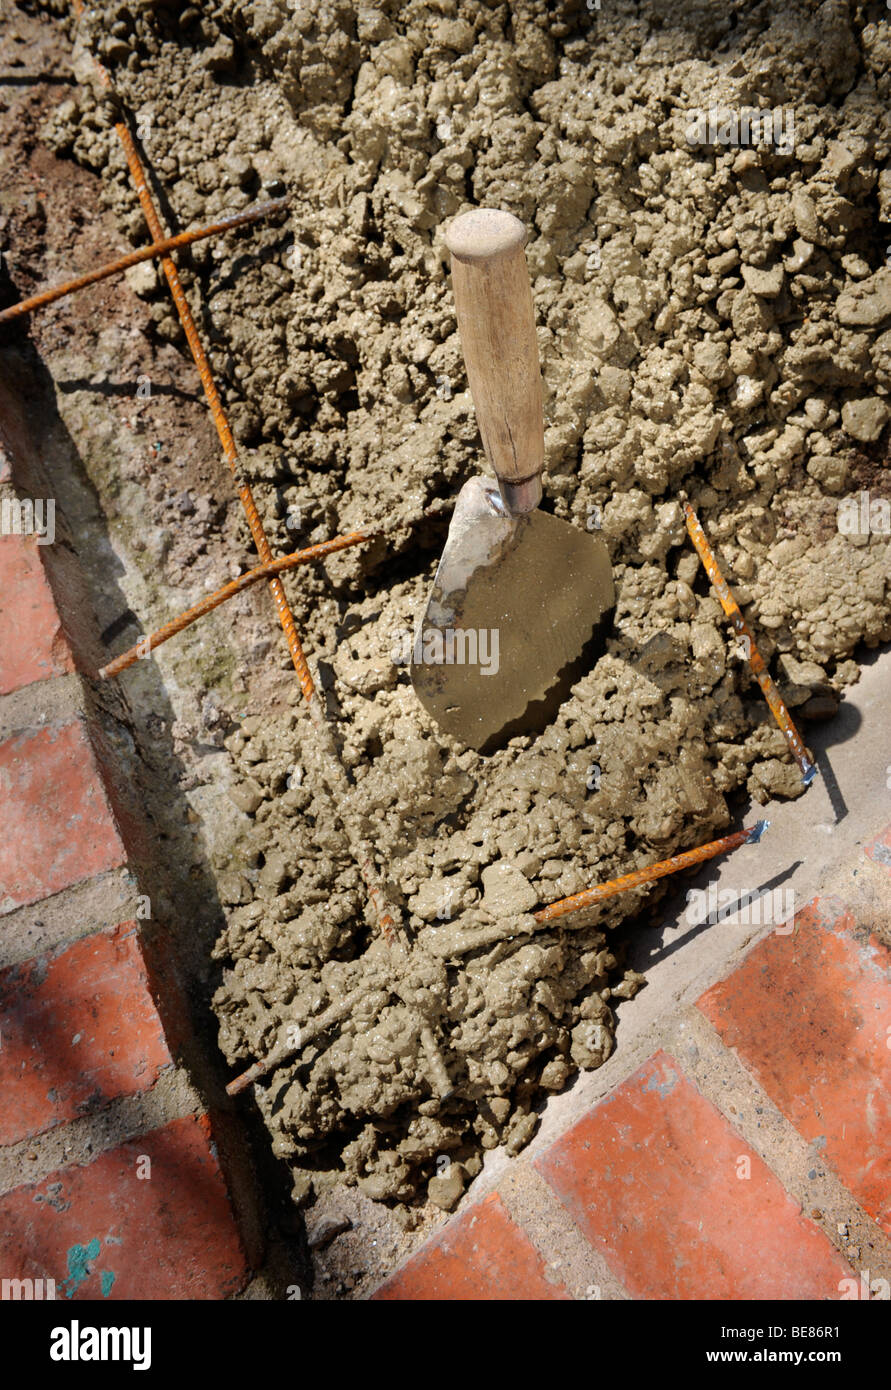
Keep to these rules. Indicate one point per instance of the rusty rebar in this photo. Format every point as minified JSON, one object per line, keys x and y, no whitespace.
{"x":686,"y":860}
{"x":145,"y":253}
{"x":490,"y":937}
{"x":146,"y":645}
{"x":306,"y":1034}
{"x":754,"y":657}
{"x":156,"y":231}
{"x":334,"y":773}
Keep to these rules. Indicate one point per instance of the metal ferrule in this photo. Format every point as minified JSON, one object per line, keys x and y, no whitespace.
{"x":523,"y":496}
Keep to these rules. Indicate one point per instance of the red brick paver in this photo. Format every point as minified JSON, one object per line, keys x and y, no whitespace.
{"x":149,"y":1220}
{"x":679,"y":1204}
{"x":76,"y":1029}
{"x":56,"y":822}
{"x":480,"y":1256}
{"x":33,"y":645}
{"x":810,"y":1015}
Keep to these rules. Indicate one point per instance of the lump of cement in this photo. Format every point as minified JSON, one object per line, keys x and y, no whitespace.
{"x":142,"y":279}
{"x":506,"y":891}
{"x":830,"y":471}
{"x":767,"y":283}
{"x":868,"y":303}
{"x":865,"y":418}
{"x":445,"y":1191}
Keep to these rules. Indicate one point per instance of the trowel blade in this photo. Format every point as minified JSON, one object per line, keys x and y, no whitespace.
{"x":513,"y":604}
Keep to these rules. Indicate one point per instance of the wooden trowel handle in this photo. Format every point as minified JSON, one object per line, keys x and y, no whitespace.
{"x":493,"y":300}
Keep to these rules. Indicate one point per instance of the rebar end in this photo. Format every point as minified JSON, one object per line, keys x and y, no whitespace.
{"x":758,"y":830}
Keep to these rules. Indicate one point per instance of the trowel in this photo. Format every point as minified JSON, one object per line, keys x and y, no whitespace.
{"x":518,"y":594}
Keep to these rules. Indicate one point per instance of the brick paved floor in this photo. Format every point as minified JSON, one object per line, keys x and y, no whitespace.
{"x":661,"y":1191}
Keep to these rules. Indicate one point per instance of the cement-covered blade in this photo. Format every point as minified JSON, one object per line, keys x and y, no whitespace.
{"x":514,"y":603}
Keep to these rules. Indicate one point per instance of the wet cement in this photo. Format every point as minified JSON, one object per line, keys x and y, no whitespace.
{"x":714,"y":323}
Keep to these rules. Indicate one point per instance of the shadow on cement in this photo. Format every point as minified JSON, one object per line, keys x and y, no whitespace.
{"x":640,"y":951}
{"x":124,"y":388}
